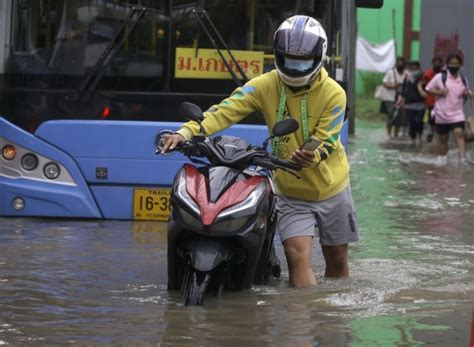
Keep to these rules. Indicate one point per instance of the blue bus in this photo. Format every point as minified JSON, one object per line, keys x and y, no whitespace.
{"x":85,"y":86}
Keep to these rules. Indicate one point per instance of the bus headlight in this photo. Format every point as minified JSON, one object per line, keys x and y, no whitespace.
{"x":20,"y":162}
{"x":9,"y":152}
{"x":18,"y":204}
{"x":51,"y":171}
{"x":29,"y":162}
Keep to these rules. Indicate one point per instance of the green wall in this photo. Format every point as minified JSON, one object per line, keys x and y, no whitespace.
{"x":377,"y":26}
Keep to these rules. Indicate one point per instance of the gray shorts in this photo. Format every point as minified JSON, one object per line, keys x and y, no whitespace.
{"x":335,"y":218}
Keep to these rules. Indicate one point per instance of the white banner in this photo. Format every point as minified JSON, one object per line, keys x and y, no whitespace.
{"x":375,"y":57}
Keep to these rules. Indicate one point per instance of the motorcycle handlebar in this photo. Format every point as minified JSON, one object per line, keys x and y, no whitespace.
{"x":191,"y":148}
{"x":272,"y":162}
{"x":285,"y":163}
{"x":180,"y":147}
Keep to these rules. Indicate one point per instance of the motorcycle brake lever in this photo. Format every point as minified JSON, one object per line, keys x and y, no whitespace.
{"x":160,"y":143}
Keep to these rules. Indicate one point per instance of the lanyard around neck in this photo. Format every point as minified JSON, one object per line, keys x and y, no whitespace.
{"x":281,"y":110}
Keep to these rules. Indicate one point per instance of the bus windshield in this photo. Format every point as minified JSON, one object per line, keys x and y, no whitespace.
{"x":97,"y":59}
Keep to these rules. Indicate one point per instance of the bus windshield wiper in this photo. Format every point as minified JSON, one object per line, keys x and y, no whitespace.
{"x":200,"y":14}
{"x":92,"y":80}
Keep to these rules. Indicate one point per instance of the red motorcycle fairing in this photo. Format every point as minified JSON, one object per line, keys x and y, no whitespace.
{"x":198,"y":190}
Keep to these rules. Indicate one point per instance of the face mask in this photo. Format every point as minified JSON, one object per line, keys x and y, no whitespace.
{"x":298,"y":64}
{"x":453,"y":69}
{"x":436,"y":68}
{"x":400,"y":68}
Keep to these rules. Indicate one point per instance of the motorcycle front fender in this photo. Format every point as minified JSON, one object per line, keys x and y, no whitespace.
{"x":206,"y":254}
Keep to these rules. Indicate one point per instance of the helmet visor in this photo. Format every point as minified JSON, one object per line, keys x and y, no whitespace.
{"x":298,"y":65}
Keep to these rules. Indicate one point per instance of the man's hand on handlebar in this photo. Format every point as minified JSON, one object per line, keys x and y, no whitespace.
{"x":171,"y":141}
{"x":303,"y":157}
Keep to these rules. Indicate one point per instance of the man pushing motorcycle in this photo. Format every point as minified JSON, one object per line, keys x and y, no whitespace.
{"x":299,"y":88}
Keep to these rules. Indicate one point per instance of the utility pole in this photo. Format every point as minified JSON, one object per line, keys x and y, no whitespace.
{"x":350,"y":70}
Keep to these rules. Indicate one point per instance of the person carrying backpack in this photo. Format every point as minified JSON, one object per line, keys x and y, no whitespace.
{"x":451,"y":89}
{"x":413,"y":102}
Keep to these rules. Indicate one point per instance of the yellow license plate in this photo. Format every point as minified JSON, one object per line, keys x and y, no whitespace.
{"x":152,"y":204}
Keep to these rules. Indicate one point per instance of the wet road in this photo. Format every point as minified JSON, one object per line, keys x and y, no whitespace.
{"x":411,"y":283}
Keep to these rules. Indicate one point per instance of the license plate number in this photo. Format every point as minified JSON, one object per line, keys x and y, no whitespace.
{"x":152,"y":204}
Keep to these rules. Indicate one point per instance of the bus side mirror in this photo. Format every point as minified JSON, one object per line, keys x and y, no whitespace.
{"x":369,"y":3}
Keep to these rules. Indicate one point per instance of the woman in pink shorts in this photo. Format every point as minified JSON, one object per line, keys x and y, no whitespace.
{"x":450,"y":89}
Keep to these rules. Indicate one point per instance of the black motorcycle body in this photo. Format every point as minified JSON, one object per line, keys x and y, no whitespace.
{"x":221,"y":231}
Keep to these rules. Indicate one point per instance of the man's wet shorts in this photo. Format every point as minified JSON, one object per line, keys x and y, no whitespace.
{"x":334,"y":217}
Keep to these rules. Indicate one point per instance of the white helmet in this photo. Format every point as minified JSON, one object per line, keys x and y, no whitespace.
{"x":300,"y":45}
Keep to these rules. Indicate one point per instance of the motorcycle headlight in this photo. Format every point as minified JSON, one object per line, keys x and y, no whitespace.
{"x":182,"y":193}
{"x":189,"y":219}
{"x":230,"y":225}
{"x":251,"y":201}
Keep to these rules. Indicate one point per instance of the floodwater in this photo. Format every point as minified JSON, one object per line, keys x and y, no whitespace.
{"x":411,"y":282}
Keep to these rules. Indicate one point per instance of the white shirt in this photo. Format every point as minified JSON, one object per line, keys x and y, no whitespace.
{"x":392,"y":76}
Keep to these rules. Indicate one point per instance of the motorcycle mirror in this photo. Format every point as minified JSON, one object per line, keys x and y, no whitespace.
{"x":190,"y":111}
{"x":285,"y":127}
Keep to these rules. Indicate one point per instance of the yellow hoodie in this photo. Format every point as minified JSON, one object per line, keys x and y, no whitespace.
{"x":326,"y":105}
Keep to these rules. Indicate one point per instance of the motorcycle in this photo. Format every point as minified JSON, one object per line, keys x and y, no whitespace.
{"x":220,"y":235}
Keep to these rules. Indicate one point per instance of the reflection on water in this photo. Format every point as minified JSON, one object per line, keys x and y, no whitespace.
{"x":412,"y":276}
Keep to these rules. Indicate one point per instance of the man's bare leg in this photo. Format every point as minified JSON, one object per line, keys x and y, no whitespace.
{"x":298,"y":256}
{"x":336,"y":261}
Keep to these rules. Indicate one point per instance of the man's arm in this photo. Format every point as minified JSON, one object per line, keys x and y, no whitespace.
{"x":242,"y":102}
{"x":239,"y":105}
{"x":327,"y":133}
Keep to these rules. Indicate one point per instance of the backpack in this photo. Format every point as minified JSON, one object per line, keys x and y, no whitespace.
{"x":410,"y":90}
{"x":444,"y":78}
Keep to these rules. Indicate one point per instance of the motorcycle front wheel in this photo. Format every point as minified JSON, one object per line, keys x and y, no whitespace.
{"x":195,"y":286}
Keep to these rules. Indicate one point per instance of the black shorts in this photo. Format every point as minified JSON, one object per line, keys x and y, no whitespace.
{"x":443,"y":129}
